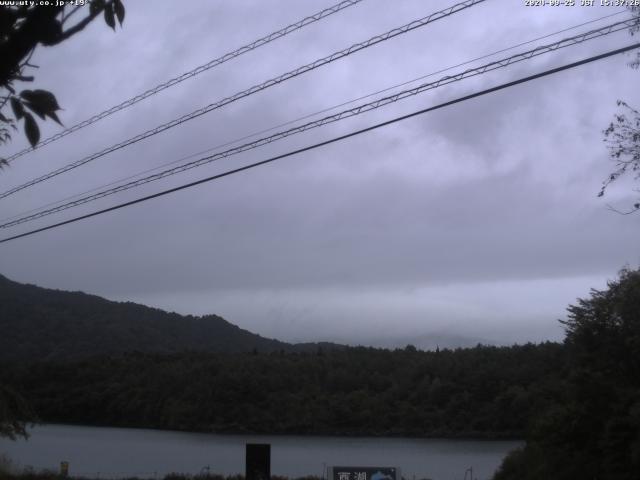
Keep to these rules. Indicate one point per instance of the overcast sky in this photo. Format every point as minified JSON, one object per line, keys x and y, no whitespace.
{"x":479,"y":220}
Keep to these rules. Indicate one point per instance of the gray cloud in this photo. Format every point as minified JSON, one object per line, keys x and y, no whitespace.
{"x":419,"y":225}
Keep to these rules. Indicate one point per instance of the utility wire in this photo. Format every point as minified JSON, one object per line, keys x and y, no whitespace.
{"x":256,"y":88}
{"x":310,"y":115}
{"x":502,"y":63}
{"x":192,"y":73}
{"x":332,"y":140}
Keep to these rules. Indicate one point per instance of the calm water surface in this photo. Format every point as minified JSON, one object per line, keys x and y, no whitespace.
{"x":113,"y":452}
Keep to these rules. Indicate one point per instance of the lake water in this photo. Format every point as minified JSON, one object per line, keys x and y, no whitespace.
{"x":119,"y":452}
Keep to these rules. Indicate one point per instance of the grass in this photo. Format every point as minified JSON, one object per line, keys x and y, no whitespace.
{"x":11,"y":474}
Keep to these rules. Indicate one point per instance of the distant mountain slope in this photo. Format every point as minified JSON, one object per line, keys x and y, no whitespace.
{"x":42,"y":324}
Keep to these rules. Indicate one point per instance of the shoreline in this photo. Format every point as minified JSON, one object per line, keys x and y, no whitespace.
{"x":239,"y":433}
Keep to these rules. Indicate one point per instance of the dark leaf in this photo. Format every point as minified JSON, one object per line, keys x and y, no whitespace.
{"x":96,"y":6}
{"x":18,"y":109}
{"x":109,"y":16}
{"x":118,"y":7}
{"x":42,"y":100}
{"x":50,"y":32}
{"x":34,"y":109}
{"x":4,"y":119}
{"x":31,"y":129}
{"x":7,"y":18}
{"x":54,"y":117}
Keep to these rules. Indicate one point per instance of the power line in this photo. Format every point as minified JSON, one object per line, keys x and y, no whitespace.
{"x":339,"y":116}
{"x":332,"y":140}
{"x":192,"y":73}
{"x":310,"y":115}
{"x":502,"y":63}
{"x":256,"y":88}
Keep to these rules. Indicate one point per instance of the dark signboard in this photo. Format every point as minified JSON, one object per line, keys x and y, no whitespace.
{"x":364,"y":473}
{"x":258,"y":461}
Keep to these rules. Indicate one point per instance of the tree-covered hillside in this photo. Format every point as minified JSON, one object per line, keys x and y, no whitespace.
{"x":593,"y":429}
{"x":576,"y":403}
{"x":43,"y":324}
{"x":484,"y":391}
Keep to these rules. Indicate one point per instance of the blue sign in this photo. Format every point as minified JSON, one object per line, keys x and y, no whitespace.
{"x":364,"y":473}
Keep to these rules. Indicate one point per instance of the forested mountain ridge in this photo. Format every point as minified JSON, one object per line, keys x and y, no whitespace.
{"x":80,"y":358}
{"x":40,"y":324}
{"x":489,"y":392}
{"x":576,"y":403}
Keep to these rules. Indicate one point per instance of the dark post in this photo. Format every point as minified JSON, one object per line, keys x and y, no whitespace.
{"x":258,"y":461}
